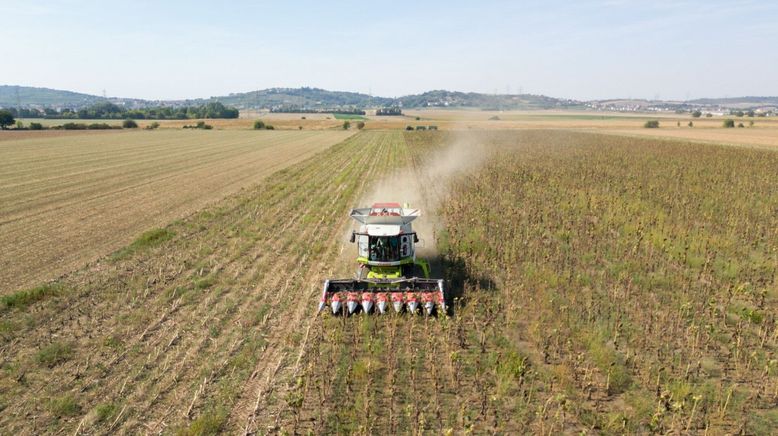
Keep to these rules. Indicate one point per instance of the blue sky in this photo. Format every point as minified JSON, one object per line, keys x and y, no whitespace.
{"x":584,"y":49}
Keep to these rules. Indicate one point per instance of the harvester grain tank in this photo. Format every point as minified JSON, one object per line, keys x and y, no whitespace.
{"x":388,"y":270}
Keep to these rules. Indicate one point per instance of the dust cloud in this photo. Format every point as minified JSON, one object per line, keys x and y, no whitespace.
{"x":425,"y":185}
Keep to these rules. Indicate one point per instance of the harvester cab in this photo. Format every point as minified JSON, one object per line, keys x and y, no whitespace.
{"x":388,"y":270}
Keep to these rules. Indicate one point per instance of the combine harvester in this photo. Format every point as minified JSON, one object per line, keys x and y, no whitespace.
{"x":388,"y":267}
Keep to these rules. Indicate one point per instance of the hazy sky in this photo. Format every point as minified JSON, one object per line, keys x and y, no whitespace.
{"x":577,"y":49}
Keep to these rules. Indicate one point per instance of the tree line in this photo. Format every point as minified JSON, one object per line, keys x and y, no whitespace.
{"x":389,"y":111}
{"x":110,"y":111}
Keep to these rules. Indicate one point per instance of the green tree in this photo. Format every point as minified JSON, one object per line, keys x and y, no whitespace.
{"x":361,"y":125}
{"x":346,"y":125}
{"x":129,"y":124}
{"x":696,"y":114}
{"x":691,"y":123}
{"x":728,"y":123}
{"x":259,"y":124}
{"x":6,"y":119}
{"x":652,"y":124}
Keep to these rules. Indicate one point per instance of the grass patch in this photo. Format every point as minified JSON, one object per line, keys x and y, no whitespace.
{"x":209,"y":423}
{"x":53,"y":354}
{"x":64,"y":406}
{"x":113,"y":341}
{"x":764,"y":423}
{"x":151,"y":238}
{"x":6,"y":326}
{"x":104,"y":411}
{"x":204,"y":283}
{"x":22,"y":299}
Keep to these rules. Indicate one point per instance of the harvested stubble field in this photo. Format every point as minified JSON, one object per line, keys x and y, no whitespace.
{"x":763,"y":134}
{"x":67,"y":200}
{"x":15,"y":135}
{"x":603,"y":284}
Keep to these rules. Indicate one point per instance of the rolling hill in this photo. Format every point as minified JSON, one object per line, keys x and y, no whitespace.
{"x":298,"y":98}
{"x":321,"y":99}
{"x":25,"y":96}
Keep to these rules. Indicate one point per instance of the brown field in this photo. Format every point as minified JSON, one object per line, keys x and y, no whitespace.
{"x":66,"y":200}
{"x":763,"y":137}
{"x":245,"y":122}
{"x":15,"y":135}
{"x":764,"y":133}
{"x":272,"y":243}
{"x":604,"y":285}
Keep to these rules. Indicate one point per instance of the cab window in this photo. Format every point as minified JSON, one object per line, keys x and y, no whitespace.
{"x":384,"y":248}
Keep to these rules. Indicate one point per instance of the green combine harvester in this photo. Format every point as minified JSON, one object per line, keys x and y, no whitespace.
{"x":388,"y":268}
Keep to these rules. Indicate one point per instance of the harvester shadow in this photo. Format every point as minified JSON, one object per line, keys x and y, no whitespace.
{"x":461,"y":283}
